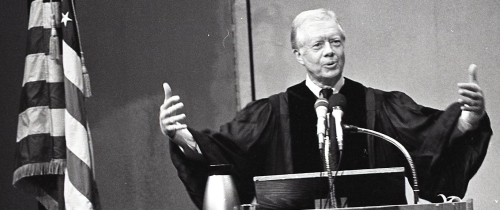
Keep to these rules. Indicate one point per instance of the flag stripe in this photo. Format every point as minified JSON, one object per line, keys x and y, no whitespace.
{"x":72,"y":42}
{"x":74,"y":105}
{"x":76,"y":139}
{"x":35,"y":66}
{"x":40,"y":14}
{"x":80,"y":180}
{"x":38,"y":40}
{"x":40,"y":148}
{"x":78,"y":200}
{"x":72,"y":61}
{"x":40,"y":120}
{"x":36,"y":15}
{"x":41,"y":93}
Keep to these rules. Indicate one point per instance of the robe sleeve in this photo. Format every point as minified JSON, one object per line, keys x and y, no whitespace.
{"x":445,"y":158}
{"x":240,"y":142}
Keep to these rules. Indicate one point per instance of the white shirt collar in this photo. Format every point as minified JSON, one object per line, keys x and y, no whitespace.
{"x":316,"y":89}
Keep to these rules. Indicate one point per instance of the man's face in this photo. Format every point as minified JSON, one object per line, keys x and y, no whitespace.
{"x":321,"y":51}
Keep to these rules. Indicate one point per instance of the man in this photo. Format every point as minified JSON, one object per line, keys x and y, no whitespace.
{"x":277,"y":135}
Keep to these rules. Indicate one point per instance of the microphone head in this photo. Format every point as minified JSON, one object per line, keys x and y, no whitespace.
{"x":320,"y":102}
{"x":337,"y":99}
{"x":321,"y":107}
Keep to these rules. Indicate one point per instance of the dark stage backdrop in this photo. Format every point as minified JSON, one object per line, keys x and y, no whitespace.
{"x":131,"y":48}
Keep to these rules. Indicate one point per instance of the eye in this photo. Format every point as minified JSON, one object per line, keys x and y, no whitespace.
{"x":317,"y":45}
{"x":335,"y":42}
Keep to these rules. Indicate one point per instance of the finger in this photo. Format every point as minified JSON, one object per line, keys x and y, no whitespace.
{"x":470,"y":94}
{"x":175,"y":127}
{"x":170,"y":110}
{"x":472,"y":73}
{"x":469,"y":86}
{"x":172,"y":100}
{"x":470,"y":102}
{"x":178,"y":118}
{"x":173,"y":119}
{"x":471,"y":108}
{"x":175,"y":108}
{"x":167,"y":90}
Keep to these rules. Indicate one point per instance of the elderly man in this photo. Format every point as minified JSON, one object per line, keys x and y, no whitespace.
{"x":277,"y":135}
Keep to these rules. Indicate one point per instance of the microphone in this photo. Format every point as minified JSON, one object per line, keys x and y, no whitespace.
{"x":321,"y":107}
{"x":337,"y":102}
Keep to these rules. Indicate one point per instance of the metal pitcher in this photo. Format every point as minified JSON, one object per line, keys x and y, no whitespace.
{"x":220,"y":191}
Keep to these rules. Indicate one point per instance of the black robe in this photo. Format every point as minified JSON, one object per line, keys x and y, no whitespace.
{"x":277,"y":135}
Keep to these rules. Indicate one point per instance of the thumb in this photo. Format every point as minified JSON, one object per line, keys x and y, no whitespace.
{"x":472,"y":73}
{"x":168,"y":90}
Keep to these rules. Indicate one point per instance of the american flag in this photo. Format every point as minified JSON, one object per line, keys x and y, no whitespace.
{"x":54,"y":149}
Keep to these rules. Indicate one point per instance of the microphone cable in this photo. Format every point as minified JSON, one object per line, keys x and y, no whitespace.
{"x":332,"y":187}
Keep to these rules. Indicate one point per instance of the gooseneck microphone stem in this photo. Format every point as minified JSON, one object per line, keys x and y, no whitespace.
{"x":327,"y":158}
{"x":398,"y":145}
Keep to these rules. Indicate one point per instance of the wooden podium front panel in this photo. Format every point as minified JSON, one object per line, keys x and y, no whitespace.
{"x":463,"y":205}
{"x":367,"y":187}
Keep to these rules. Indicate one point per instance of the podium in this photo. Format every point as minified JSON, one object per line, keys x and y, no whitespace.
{"x":382,"y":188}
{"x":463,"y":205}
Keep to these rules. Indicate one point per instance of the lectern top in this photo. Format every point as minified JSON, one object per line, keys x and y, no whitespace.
{"x":324,"y":174}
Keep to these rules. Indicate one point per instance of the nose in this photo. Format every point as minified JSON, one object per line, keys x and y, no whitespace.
{"x":328,"y":50}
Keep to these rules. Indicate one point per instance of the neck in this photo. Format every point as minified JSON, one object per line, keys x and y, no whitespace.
{"x":326,"y":82}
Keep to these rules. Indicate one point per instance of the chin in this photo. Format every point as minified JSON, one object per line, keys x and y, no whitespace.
{"x":332,"y":74}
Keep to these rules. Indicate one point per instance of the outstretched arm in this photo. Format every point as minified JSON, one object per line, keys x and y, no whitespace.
{"x":172,"y":128}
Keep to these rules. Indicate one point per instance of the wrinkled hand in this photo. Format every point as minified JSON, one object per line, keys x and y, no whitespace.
{"x":169,"y":119}
{"x":472,"y":99}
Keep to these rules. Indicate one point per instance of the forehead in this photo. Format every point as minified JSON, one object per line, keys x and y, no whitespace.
{"x":317,"y":29}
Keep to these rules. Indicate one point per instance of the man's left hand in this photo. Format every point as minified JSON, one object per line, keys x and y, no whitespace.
{"x":472,"y":100}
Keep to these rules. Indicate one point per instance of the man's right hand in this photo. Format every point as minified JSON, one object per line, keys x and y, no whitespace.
{"x":169,"y":117}
{"x":176,"y":131}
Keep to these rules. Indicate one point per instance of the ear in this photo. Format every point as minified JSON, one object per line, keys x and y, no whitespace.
{"x":298,"y":56}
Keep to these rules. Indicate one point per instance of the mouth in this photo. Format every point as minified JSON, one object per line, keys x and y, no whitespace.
{"x":330,"y":65}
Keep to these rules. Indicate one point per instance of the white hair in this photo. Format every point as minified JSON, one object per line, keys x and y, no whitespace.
{"x":317,"y":14}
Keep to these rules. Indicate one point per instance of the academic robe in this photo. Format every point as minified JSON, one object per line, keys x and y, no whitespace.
{"x":277,"y":135}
